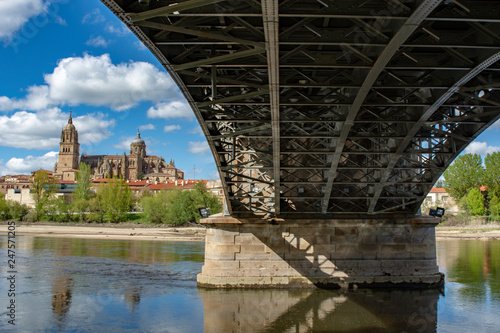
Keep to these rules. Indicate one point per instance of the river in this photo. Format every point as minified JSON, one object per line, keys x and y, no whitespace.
{"x":83,"y":285}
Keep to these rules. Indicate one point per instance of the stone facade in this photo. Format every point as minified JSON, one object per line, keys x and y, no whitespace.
{"x":324,"y":253}
{"x":131,"y":167}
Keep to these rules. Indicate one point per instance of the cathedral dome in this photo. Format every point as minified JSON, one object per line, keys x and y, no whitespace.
{"x":138,"y":140}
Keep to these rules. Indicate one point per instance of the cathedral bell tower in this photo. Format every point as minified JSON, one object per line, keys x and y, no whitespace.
{"x":137,"y":155}
{"x":69,"y":148}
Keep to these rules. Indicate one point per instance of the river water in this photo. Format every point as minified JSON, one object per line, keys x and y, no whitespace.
{"x":85,"y":285}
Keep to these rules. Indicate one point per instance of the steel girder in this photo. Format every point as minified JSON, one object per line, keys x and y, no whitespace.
{"x":322,"y":108}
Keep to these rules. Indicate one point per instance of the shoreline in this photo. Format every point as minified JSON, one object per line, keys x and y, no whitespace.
{"x":196,"y":233}
{"x":107,"y":231}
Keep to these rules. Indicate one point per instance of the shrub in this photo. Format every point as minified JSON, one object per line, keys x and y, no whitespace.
{"x":475,"y":202}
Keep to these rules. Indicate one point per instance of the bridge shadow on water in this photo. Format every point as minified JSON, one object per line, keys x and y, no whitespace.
{"x":299,"y":310}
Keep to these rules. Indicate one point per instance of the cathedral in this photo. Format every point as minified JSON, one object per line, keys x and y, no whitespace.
{"x":135,"y":166}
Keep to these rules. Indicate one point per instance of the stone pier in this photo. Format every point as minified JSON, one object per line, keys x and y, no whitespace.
{"x":301,"y":253}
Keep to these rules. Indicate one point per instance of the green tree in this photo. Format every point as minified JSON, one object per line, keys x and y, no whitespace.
{"x":115,"y":198}
{"x":96,"y":211}
{"x":492,"y":173}
{"x":464,"y":174}
{"x":83,"y":183}
{"x":181,"y":207}
{"x":42,"y":187}
{"x":203,"y":198}
{"x":82,"y":208}
{"x":17,"y":211}
{"x":494,"y":207}
{"x":4,"y":209}
{"x":155,"y":207}
{"x":475,"y":202}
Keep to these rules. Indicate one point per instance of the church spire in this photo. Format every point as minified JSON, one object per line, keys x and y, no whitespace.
{"x":138,"y":134}
{"x":70,"y":120}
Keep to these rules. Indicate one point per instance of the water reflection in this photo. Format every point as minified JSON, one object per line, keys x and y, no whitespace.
{"x":319,"y":310}
{"x":475,"y":265}
{"x":81,"y":284}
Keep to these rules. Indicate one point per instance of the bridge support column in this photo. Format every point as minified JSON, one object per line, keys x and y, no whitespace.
{"x":320,"y":253}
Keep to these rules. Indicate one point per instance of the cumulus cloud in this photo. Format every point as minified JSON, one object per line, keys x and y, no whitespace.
{"x":124,"y":143}
{"x":98,"y":41}
{"x":196,"y":130}
{"x":170,"y":110}
{"x":97,"y":81}
{"x":147,"y":127}
{"x":170,"y":128}
{"x":198,"y":147}
{"x":14,"y":14}
{"x":93,"y":17}
{"x":29,"y":163}
{"x":42,"y":130}
{"x":121,"y":30}
{"x":37,"y":99}
{"x":481,"y":148}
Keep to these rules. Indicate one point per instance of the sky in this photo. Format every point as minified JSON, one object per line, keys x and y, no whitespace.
{"x":58,"y":56}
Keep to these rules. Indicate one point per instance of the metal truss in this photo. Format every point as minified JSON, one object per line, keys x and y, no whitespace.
{"x":330,"y":109}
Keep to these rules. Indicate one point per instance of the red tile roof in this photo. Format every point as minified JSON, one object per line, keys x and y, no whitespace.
{"x":66,"y":182}
{"x":438,"y":190}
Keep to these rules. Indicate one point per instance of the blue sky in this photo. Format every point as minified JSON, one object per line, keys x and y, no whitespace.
{"x":57,"y":56}
{"x":62,"y":55}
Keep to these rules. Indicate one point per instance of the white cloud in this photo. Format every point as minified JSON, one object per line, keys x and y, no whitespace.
{"x":29,"y":163}
{"x":170,"y":128}
{"x":98,"y":41}
{"x":42,"y":130}
{"x":196,"y":130}
{"x":481,"y":148}
{"x":124,"y":143}
{"x":198,"y":147}
{"x":175,"y":109}
{"x":140,"y":46}
{"x":14,"y":14}
{"x":121,"y":30}
{"x":147,"y":127}
{"x":37,"y":99}
{"x":93,"y":127}
{"x":96,"y":81}
{"x":93,"y":17}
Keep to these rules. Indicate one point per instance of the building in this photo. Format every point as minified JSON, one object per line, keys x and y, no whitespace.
{"x":16,"y":182}
{"x":135,"y":166}
{"x":439,"y":197}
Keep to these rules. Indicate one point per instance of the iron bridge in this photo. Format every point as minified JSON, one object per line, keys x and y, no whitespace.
{"x":329,"y":108}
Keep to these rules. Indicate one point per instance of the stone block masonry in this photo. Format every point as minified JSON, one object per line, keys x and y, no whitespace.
{"x":320,"y":253}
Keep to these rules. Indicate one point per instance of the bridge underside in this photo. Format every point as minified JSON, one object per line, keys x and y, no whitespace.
{"x":329,"y":109}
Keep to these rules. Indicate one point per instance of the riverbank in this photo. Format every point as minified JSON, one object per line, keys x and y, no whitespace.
{"x":486,"y":232}
{"x":194,"y":232}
